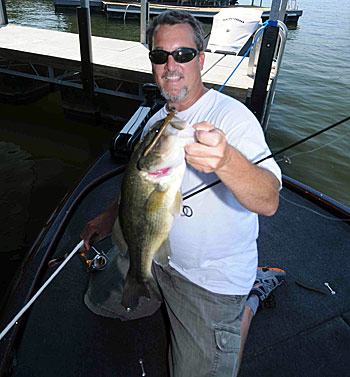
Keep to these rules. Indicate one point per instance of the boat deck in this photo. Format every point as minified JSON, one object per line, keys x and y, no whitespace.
{"x":123,"y":60}
{"x":306,"y":334}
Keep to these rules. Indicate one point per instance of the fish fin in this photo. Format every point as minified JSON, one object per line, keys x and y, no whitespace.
{"x":155,"y":289}
{"x":155,"y":201}
{"x":118,"y":237}
{"x":178,"y":124}
{"x":176,"y":207}
{"x":163,"y":254}
{"x":133,"y":290}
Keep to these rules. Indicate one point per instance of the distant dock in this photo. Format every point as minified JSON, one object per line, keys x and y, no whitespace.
{"x":98,"y":4}
{"x":131,"y":9}
{"x":204,"y":13}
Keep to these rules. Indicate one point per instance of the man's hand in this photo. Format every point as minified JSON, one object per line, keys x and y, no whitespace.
{"x":102,"y":225}
{"x":210,"y":152}
{"x":254,"y":187}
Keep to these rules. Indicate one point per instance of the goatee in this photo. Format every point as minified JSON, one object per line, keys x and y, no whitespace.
{"x":174,"y":97}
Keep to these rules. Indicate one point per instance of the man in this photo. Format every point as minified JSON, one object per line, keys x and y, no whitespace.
{"x":214,"y":253}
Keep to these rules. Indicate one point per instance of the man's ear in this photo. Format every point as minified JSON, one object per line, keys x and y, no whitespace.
{"x":201,"y":58}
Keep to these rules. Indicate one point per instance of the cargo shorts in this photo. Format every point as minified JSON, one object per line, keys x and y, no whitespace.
{"x":204,"y":327}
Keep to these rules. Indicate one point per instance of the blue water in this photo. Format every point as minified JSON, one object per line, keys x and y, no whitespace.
{"x":313,"y":89}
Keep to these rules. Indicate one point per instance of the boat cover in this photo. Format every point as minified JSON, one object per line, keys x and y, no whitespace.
{"x":232,"y":28}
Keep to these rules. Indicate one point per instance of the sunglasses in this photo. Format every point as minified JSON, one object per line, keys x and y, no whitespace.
{"x":180,"y":55}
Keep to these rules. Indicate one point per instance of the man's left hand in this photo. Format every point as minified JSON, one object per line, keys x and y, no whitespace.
{"x":210,"y":151}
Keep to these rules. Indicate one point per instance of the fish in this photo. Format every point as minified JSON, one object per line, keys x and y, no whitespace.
{"x":150,"y":199}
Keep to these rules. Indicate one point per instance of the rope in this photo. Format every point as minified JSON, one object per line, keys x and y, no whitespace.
{"x":223,"y":85}
{"x":31,"y":301}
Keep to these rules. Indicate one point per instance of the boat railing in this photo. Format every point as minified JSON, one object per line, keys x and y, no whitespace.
{"x":293,"y":4}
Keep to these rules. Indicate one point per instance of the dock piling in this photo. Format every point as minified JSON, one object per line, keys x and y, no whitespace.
{"x":3,"y":13}
{"x":263,"y":69}
{"x":282,"y":12}
{"x":143,"y":21}
{"x":84,"y":24}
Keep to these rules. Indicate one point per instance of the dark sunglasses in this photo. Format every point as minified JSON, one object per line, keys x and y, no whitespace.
{"x":180,"y":55}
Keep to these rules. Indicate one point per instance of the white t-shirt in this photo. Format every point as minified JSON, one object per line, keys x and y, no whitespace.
{"x":216,"y":247}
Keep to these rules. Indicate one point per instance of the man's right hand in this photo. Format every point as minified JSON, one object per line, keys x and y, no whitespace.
{"x":101,"y":226}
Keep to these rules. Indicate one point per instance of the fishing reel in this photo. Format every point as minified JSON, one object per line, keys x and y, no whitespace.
{"x":99,"y":262}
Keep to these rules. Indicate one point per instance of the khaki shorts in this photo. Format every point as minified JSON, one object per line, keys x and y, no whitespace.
{"x":205,"y":327}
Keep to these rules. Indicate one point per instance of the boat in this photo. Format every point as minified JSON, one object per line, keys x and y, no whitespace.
{"x":204,"y":11}
{"x":304,"y":331}
{"x":308,"y":237}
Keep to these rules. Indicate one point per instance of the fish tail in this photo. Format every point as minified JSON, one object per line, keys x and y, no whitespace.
{"x":133,"y":290}
{"x":155,"y":289}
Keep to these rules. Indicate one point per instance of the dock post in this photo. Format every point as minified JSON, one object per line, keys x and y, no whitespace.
{"x":267,"y":53}
{"x":282,"y":12}
{"x":3,"y":13}
{"x":84,"y":24}
{"x":143,"y":21}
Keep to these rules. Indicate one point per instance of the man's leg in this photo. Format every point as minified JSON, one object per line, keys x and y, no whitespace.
{"x":204,"y":327}
{"x":267,"y":279}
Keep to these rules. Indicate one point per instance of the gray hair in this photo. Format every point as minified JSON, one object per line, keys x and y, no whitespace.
{"x":175,"y":17}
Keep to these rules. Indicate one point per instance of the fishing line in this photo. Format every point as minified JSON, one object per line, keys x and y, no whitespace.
{"x":315,"y":149}
{"x":275,"y":154}
{"x":311,"y":210}
{"x":305,"y":139}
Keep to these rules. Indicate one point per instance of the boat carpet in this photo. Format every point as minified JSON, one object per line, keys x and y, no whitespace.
{"x":305,"y":334}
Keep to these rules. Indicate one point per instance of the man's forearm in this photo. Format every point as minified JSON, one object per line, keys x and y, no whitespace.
{"x":254,"y":187}
{"x":113,"y":207}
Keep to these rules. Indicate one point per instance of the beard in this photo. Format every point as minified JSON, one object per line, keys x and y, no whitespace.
{"x":177,"y":96}
{"x":174,"y":97}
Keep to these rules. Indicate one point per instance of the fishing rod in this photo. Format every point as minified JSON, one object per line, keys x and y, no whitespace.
{"x":275,"y":154}
{"x":37,"y":294}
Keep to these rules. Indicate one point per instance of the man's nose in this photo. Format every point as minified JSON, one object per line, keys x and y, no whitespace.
{"x":171,"y":63}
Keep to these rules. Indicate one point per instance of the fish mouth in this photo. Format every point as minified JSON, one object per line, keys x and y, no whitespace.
{"x":159,"y":173}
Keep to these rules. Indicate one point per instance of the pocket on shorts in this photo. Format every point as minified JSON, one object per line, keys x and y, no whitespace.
{"x":228,"y":339}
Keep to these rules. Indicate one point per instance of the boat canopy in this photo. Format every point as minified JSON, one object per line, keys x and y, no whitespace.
{"x":232,"y":28}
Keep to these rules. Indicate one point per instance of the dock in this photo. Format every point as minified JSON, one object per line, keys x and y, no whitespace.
{"x":97,"y":4}
{"x":125,"y":9}
{"x":54,"y":57}
{"x":131,"y":9}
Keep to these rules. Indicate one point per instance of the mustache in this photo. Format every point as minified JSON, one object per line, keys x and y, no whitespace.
{"x":167,"y":74}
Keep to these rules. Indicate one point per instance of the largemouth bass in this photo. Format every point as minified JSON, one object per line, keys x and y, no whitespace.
{"x":150,"y":199}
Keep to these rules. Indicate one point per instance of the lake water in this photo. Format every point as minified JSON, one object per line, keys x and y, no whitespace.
{"x":313,"y":91}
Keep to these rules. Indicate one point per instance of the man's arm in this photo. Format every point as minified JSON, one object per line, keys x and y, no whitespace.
{"x":101,"y":225}
{"x":254,"y":187}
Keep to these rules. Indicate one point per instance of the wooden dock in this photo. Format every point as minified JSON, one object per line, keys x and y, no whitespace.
{"x":123,"y":60}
